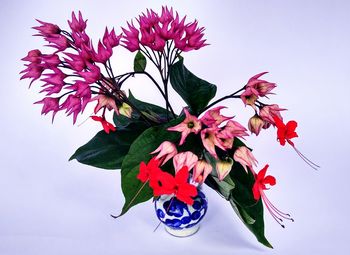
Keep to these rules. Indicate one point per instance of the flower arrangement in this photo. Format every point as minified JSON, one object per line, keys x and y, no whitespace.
{"x":160,"y":152}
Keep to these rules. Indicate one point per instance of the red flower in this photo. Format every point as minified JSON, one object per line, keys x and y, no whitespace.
{"x":261,"y":181}
{"x":147,"y":170}
{"x":164,"y":183}
{"x":258,"y":191}
{"x":105,"y":124}
{"x":285,"y":132}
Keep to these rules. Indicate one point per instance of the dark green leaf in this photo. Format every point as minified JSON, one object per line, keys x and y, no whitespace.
{"x":134,"y":191}
{"x":140,"y":62}
{"x":107,"y":150}
{"x":194,"y":91}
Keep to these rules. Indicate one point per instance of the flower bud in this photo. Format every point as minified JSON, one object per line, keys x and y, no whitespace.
{"x":201,"y":170}
{"x":125,"y":110}
{"x":223,"y":167}
{"x":255,"y":124}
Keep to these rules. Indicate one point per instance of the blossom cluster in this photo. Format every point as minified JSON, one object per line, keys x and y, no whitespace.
{"x":72,"y":74}
{"x":154,"y":31}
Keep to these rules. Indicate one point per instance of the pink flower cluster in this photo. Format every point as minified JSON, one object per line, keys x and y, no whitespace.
{"x":72,"y":71}
{"x":254,"y":89}
{"x":155,"y":31}
{"x":215,"y":135}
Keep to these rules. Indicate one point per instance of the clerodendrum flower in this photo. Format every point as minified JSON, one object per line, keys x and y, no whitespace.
{"x":245,"y":157}
{"x":107,"y":127}
{"x":164,"y":183}
{"x":261,"y":180}
{"x":191,"y":124}
{"x":285,"y":132}
{"x":166,"y":151}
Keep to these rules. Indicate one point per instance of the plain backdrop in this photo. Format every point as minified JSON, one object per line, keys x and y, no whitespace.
{"x":51,"y":206}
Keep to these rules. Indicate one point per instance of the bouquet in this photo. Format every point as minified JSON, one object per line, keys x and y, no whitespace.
{"x":160,"y":151}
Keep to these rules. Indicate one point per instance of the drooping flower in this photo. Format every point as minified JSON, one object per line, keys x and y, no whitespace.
{"x":60,"y":42}
{"x":72,"y":104}
{"x":268,"y":112}
{"x":255,"y":124}
{"x":262,"y":87}
{"x":50,"y":104}
{"x":91,"y":75}
{"x":82,"y":90}
{"x":105,"y":101}
{"x":182,"y":159}
{"x":210,"y":139}
{"x":166,"y":151}
{"x":47,"y":29}
{"x":245,"y":157}
{"x":190,"y":125}
{"x":201,"y":171}
{"x":233,"y":129}
{"x":261,"y":180}
{"x":213,"y":118}
{"x":249,"y":97}
{"x":107,"y":126}
{"x":223,"y":168}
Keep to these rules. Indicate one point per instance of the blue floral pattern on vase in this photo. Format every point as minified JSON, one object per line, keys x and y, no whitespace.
{"x":179,"y":218}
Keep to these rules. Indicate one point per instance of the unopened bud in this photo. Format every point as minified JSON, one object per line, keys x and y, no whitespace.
{"x":255,"y":124}
{"x":125,"y":110}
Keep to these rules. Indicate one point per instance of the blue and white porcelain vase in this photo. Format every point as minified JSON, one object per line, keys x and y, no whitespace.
{"x":179,"y":218}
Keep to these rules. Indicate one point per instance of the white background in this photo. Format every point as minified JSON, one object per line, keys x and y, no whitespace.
{"x":51,"y":206}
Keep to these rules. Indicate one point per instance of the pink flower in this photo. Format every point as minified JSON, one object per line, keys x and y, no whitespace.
{"x":91,"y":75}
{"x":233,"y":129}
{"x":131,"y":37}
{"x":110,"y":39}
{"x":102,"y":54}
{"x":107,"y":127}
{"x":105,"y":101}
{"x":255,"y":124}
{"x":201,"y":171}
{"x":223,"y":168}
{"x":213,"y":118}
{"x":50,"y":61}
{"x":60,"y":42}
{"x":54,"y":82}
{"x":32,"y":71}
{"x":268,"y":112}
{"x":261,"y":86}
{"x":76,"y":62}
{"x":33,"y":56}
{"x":50,"y":104}
{"x":184,"y":159}
{"x":190,"y":125}
{"x":245,"y":157}
{"x":77,"y":25}
{"x":47,"y":29}
{"x":166,"y":151}
{"x":210,"y":139}
{"x":83,"y":91}
{"x":72,"y":106}
{"x":249,"y":96}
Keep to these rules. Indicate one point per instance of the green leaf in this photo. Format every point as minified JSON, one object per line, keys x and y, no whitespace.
{"x":194,"y":91}
{"x":140,"y":62}
{"x":135,"y":191}
{"x":107,"y":151}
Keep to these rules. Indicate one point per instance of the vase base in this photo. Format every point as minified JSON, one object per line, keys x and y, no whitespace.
{"x":182,"y":232}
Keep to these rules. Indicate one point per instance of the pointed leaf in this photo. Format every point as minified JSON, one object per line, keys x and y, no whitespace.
{"x":107,"y":151}
{"x":194,"y":91}
{"x":139,"y":62}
